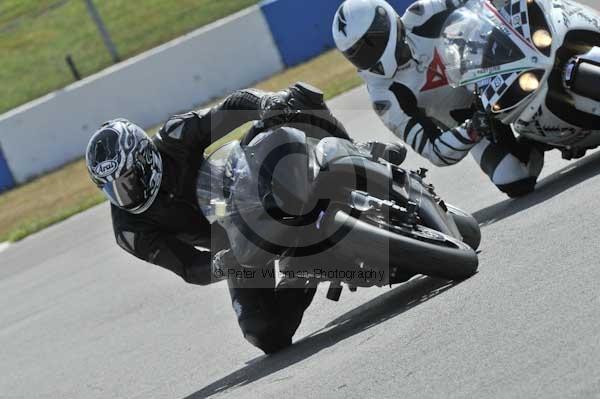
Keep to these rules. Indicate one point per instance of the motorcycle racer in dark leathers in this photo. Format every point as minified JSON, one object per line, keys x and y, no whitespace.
{"x":151,"y":184}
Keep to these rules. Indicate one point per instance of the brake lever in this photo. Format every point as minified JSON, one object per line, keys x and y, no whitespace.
{"x":482,"y":121}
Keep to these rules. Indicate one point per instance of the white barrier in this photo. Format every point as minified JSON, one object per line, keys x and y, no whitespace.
{"x":229,"y":54}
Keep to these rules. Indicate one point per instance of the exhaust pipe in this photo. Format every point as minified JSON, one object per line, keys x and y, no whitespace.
{"x":582,"y":74}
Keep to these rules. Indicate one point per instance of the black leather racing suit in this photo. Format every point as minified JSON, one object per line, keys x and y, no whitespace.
{"x":168,"y":232}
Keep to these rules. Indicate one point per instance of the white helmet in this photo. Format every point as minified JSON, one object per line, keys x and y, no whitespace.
{"x":371,"y":35}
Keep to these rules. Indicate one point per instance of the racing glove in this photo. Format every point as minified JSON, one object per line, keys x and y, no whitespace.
{"x":274,"y":109}
{"x":480,"y":126}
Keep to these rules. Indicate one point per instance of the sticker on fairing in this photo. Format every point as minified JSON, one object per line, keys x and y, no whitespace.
{"x":106,"y":168}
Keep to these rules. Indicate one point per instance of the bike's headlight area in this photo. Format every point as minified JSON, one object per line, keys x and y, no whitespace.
{"x":542,"y":39}
{"x":529,"y":82}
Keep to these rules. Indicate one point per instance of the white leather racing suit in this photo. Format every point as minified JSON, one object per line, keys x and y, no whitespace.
{"x":420,"y":107}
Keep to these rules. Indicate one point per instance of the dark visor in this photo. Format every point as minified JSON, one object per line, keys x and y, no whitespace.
{"x":370,"y":48}
{"x":127,"y":192}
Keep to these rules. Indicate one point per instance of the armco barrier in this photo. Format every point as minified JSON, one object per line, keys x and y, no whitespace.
{"x":6,"y":179}
{"x":302,"y":28}
{"x":229,"y":54}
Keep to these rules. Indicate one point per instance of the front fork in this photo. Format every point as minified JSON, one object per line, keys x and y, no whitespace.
{"x":432,"y":210}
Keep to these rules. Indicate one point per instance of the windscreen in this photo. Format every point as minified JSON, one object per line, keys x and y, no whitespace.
{"x":245,"y":189}
{"x":226,"y":184}
{"x":477,"y":44}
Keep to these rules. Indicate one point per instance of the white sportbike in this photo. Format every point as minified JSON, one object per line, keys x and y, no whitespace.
{"x":535,"y":65}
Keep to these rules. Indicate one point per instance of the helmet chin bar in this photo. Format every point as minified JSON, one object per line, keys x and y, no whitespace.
{"x":582,"y":74}
{"x":403,"y":53}
{"x":144,"y":207}
{"x":397,"y":52}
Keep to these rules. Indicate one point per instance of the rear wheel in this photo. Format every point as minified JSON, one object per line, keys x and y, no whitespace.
{"x":410,"y":250}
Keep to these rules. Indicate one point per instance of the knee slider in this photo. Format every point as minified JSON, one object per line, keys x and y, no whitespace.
{"x":519,"y":188}
{"x":265,"y":336}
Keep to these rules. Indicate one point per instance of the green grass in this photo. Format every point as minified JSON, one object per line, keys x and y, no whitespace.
{"x":330,"y":72}
{"x":36,"y":35}
{"x":56,"y":196}
{"x":27,"y":228}
{"x":45,"y":201}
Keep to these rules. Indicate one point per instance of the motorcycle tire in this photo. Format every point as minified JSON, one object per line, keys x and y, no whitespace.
{"x":467,"y":226}
{"x":417,"y":250}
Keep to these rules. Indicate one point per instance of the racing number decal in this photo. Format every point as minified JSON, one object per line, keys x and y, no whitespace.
{"x":436,"y":73}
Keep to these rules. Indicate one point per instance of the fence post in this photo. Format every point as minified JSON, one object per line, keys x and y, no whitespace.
{"x":110,"y":45}
{"x":73,"y":67}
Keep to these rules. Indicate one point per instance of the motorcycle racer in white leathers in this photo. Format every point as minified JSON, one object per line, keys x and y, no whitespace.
{"x":399,"y":59}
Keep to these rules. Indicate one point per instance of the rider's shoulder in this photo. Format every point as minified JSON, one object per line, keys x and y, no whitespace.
{"x":378,"y":86}
{"x":176,"y":126}
{"x":421,"y":11}
{"x":374,"y":82}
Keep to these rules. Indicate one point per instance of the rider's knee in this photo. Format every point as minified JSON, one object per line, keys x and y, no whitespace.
{"x":265,"y":335}
{"x":258,"y":318}
{"x":519,"y":188}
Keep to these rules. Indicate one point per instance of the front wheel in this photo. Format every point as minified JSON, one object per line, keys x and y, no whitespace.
{"x":418,"y":250}
{"x":467,"y":226}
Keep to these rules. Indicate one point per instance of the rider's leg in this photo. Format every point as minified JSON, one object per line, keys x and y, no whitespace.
{"x":514,"y":169}
{"x":268,"y":318}
{"x":292,"y":302}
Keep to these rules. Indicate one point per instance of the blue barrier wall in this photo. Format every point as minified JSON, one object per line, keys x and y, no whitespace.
{"x":302,"y":28}
{"x":6,"y":178}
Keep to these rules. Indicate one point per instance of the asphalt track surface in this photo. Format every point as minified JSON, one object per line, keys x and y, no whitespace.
{"x":79,"y":318}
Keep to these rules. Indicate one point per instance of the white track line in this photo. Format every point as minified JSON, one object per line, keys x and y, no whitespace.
{"x":4,"y":246}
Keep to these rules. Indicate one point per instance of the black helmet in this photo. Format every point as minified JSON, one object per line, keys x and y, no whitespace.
{"x":125,"y":164}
